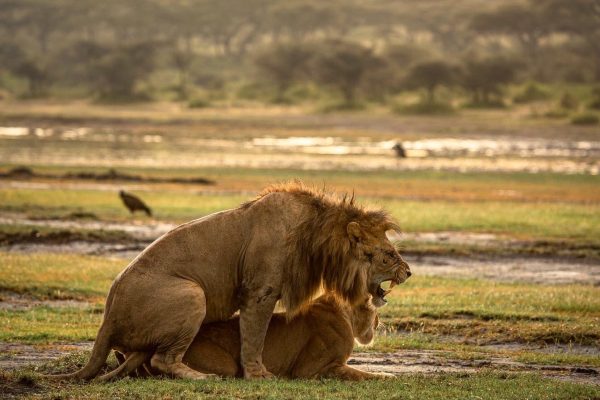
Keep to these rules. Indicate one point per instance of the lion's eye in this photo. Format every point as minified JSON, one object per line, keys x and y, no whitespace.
{"x":385,"y":261}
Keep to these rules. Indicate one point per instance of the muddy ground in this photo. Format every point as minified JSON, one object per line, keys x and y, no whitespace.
{"x":14,"y":356}
{"x":133,"y":238}
{"x":513,"y":269}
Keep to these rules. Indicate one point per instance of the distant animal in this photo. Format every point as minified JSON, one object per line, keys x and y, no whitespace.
{"x":315,"y":343}
{"x":287,"y":244}
{"x":134,"y":203}
{"x":399,"y":149}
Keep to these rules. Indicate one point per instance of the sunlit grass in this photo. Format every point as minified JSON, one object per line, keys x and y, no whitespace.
{"x":44,"y":324}
{"x":477,"y":310}
{"x":485,"y":384}
{"x":535,"y":220}
{"x":58,"y":276}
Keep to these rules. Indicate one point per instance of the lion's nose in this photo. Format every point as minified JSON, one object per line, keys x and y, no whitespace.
{"x":408,"y":273}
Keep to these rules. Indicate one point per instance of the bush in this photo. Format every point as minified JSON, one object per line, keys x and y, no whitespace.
{"x":585,"y":119}
{"x":532,"y":92}
{"x":198,"y":103}
{"x":558,"y":113}
{"x":425,"y":108}
{"x":595,"y":103}
{"x":569,"y":102}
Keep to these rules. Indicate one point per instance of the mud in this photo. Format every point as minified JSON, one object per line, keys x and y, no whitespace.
{"x":436,"y":362}
{"x":14,"y":356}
{"x":18,"y":302}
{"x":126,"y":240}
{"x":110,"y":175}
{"x":508,"y":269}
{"x":18,"y":355}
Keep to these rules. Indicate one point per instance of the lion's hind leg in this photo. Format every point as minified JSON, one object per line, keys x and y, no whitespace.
{"x":352,"y":374}
{"x":180,"y":321}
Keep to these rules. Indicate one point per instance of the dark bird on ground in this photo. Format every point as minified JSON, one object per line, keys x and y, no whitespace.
{"x":399,"y":149}
{"x":134,"y":203}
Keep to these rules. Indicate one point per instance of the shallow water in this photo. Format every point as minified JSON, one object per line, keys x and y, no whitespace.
{"x":110,"y":147}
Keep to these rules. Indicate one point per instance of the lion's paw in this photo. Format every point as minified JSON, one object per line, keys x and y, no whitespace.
{"x":257,"y":372}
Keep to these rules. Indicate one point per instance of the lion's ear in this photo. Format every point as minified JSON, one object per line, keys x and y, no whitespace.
{"x":354,"y":231}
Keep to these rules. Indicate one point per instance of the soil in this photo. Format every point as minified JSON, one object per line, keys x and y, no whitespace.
{"x":434,"y":362}
{"x":14,"y":356}
{"x":512,"y":268}
{"x":111,"y":174}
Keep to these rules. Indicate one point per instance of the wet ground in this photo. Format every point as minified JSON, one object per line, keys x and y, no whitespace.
{"x":71,"y":146}
{"x":506,"y":269}
{"x":483,"y":148}
{"x":14,"y":356}
{"x":498,"y":268}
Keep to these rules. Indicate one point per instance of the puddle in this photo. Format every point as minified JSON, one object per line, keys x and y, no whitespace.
{"x":509,"y":269}
{"x":17,"y":302}
{"x":147,"y":230}
{"x":14,"y":356}
{"x":18,"y":355}
{"x":434,"y":362}
{"x":504,"y":269}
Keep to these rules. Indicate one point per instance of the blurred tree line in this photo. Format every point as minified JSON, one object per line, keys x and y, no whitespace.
{"x":358,"y":50}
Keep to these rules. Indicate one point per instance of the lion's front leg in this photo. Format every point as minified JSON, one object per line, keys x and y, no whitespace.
{"x":255,"y":315}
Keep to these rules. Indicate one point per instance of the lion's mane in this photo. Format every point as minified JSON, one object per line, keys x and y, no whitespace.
{"x":319,"y":248}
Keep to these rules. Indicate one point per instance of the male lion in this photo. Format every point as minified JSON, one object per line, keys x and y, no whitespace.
{"x":284,"y":245}
{"x":315,"y":343}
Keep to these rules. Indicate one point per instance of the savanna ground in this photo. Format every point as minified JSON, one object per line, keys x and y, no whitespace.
{"x":500,"y":213}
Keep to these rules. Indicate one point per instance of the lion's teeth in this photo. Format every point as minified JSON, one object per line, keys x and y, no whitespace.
{"x":386,"y":292}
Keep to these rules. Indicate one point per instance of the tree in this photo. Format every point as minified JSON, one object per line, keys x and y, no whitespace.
{"x":298,"y":20}
{"x":284,"y":65}
{"x":430,"y":75}
{"x":526,"y":23}
{"x":485,"y":78}
{"x":580,"y":18}
{"x":14,"y":59}
{"x":119,"y":71}
{"x":344,"y":66}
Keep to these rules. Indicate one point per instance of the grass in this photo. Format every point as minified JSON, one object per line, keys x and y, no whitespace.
{"x":44,"y":324}
{"x":58,"y":276}
{"x":426,"y":185}
{"x":474,"y":310}
{"x":579,"y":221}
{"x":413,"y":386}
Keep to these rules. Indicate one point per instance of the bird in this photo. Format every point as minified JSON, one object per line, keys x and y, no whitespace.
{"x":134,"y":203}
{"x":399,"y":149}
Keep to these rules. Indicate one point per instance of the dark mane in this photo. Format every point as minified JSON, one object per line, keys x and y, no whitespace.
{"x":319,"y":249}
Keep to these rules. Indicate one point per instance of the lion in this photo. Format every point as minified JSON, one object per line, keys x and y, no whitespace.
{"x":285,"y":246}
{"x":313,"y":344}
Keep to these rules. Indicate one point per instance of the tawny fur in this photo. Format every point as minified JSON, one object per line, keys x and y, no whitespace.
{"x":315,"y":343}
{"x":285,"y":245}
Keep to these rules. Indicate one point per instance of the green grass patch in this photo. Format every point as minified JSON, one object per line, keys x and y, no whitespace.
{"x":44,"y":324}
{"x":475,"y":310}
{"x":486,"y":384}
{"x":58,"y":276}
{"x":492,"y":312}
{"x":541,"y":220}
{"x":526,"y":219}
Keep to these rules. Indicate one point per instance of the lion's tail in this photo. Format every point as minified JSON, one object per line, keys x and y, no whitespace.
{"x":131,"y":363}
{"x":102,"y":347}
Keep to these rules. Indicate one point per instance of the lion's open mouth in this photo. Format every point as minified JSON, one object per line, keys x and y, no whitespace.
{"x":381,"y":292}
